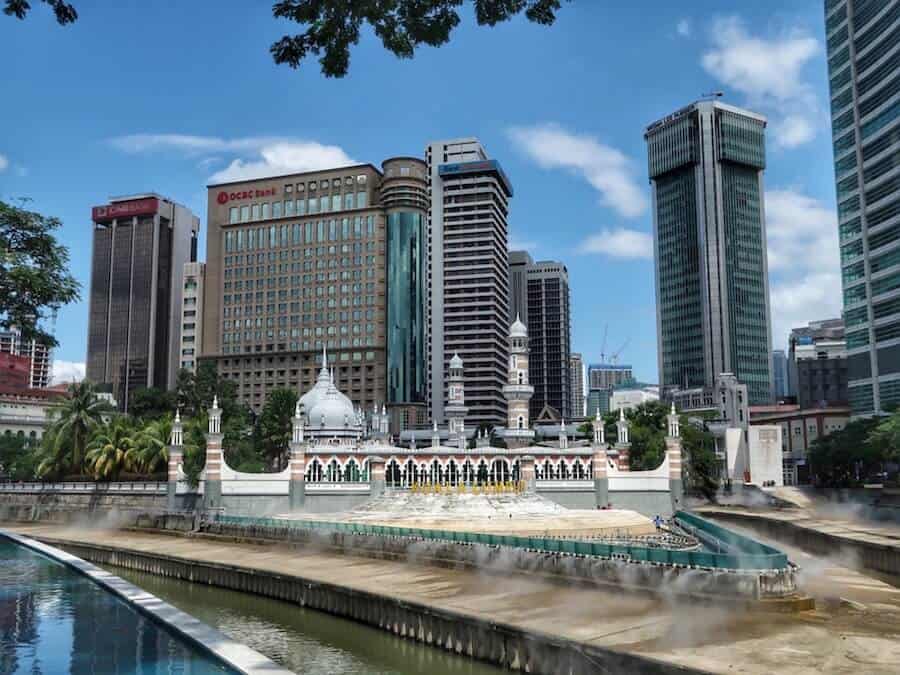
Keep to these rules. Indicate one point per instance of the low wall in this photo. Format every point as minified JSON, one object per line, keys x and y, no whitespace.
{"x":65,"y":507}
{"x":870,"y":555}
{"x":504,"y":645}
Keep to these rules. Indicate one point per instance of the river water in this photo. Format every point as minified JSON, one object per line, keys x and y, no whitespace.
{"x":304,"y":640}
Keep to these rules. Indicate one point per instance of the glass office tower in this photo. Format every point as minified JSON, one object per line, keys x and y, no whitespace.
{"x":706,"y":165}
{"x":863,"y":38}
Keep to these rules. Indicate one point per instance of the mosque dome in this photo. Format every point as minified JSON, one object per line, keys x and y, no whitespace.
{"x":334,"y":411}
{"x":456,"y":362}
{"x":518,"y":329}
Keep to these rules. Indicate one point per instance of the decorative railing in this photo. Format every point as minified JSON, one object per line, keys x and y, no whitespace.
{"x":747,"y":554}
{"x":144,"y":487}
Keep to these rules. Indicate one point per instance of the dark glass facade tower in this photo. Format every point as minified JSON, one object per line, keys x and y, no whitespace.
{"x":863,"y":38}
{"x":706,"y":165}
{"x":404,"y":198}
{"x":140,"y":246}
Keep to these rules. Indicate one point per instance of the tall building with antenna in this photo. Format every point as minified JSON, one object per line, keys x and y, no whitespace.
{"x":706,"y":164}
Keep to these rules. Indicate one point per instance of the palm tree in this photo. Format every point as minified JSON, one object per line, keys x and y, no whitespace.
{"x":76,"y":419}
{"x":111,"y":449}
{"x":150,"y":451}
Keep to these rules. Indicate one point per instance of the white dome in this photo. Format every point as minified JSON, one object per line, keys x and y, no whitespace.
{"x":332,"y":411}
{"x":310,"y":398}
{"x":518,"y":330}
{"x":456,"y":362}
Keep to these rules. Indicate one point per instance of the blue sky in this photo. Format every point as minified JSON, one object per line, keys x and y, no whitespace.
{"x":127,"y":101}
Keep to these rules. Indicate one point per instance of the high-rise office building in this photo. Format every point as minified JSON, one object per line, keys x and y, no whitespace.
{"x":539,"y":295}
{"x":780,"y":382}
{"x":191,"y":334}
{"x":864,"y":74}
{"x":468,"y":276}
{"x":706,"y":165}
{"x":331,"y":259}
{"x":141,"y":243}
{"x":549,"y":334}
{"x":519,"y":263}
{"x":608,"y":375}
{"x":40,"y":357}
{"x":576,"y":377}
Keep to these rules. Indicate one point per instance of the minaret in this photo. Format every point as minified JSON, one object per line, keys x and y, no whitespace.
{"x":518,"y":391}
{"x":456,"y":409}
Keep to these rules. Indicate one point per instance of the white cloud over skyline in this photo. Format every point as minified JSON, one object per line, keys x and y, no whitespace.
{"x":67,"y":371}
{"x":620,"y":243}
{"x":4,"y":163}
{"x":606,"y":169}
{"x":249,"y":157}
{"x":768,"y":71}
{"x":804,"y":261}
{"x":684,"y":28}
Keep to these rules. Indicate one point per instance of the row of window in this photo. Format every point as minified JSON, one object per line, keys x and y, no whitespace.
{"x":344,"y":343}
{"x":297,"y":207}
{"x":295,"y":281}
{"x":261,"y":238}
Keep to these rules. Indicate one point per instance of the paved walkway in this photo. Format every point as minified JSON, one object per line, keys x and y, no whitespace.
{"x":711,"y":638}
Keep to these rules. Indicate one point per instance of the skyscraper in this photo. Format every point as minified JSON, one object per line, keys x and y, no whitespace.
{"x":468,"y":275}
{"x":549,"y":333}
{"x":780,"y":382}
{"x":864,"y":74}
{"x":331,"y":259}
{"x":192,"y":315}
{"x":706,"y":165}
{"x":576,"y":377}
{"x":519,"y":263}
{"x":141,"y":243}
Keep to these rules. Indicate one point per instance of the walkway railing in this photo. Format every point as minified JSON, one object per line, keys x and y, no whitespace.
{"x":765,"y":558}
{"x":123,"y":487}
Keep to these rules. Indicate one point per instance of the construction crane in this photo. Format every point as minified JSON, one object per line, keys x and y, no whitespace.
{"x":615,"y":355}
{"x":603,"y":346}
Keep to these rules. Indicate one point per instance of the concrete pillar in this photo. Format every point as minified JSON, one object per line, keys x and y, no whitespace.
{"x":526,"y":471}
{"x":297,"y":485}
{"x":376,"y":476}
{"x":176,"y":443}
{"x":212,"y":487}
{"x":676,"y":485}
{"x":601,"y":478}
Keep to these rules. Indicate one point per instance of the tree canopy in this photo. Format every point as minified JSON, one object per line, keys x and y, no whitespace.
{"x":332,"y":27}
{"x":34,"y":272}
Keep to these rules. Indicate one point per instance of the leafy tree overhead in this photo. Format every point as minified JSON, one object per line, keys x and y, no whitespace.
{"x":75,"y":421}
{"x":18,"y":457}
{"x":34,"y":275}
{"x":848,"y":455}
{"x":150,"y":403}
{"x":333,"y":26}
{"x":111,"y":450}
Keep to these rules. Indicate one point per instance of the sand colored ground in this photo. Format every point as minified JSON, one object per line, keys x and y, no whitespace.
{"x":836,"y":638}
{"x":525,"y":514}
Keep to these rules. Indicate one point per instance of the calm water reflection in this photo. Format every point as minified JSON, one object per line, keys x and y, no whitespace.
{"x":304,"y":640}
{"x":54,"y":620}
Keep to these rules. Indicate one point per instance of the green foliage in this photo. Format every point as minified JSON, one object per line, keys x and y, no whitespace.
{"x":76,"y":419}
{"x":34,"y":270}
{"x":150,"y":446}
{"x":701,"y":466}
{"x":65,"y":12}
{"x":586,"y":430}
{"x":18,"y":457}
{"x":150,"y":403}
{"x":848,"y":455}
{"x":275,"y":425}
{"x":111,"y":450}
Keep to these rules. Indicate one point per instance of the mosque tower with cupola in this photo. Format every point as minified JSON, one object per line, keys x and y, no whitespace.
{"x":456,"y":409}
{"x":518,"y":391}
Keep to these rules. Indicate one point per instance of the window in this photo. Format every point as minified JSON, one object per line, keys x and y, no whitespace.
{"x":361,"y":200}
{"x":301,"y":207}
{"x":233,"y":214}
{"x":323,"y":204}
{"x":361,"y":179}
{"x":348,"y":200}
{"x":335,"y":202}
{"x":313,"y":204}
{"x":254,"y":212}
{"x":245,"y":214}
{"x":276,"y":209}
{"x":288,"y":189}
{"x":288,"y":207}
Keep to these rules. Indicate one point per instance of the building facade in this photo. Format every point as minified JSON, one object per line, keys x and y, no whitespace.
{"x":863,"y":67}
{"x":468,"y":275}
{"x":576,"y":377}
{"x":817,"y":364}
{"x":539,"y":297}
{"x":141,"y":243}
{"x":780,"y":381}
{"x":330,"y":260}
{"x":40,"y":357}
{"x":608,"y":375}
{"x":191,"y":336}
{"x":706,"y":165}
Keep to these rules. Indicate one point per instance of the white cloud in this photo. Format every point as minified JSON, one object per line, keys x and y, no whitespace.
{"x":769,"y":72}
{"x":620,"y":243}
{"x":683,"y":28}
{"x":67,"y":371}
{"x":804,"y":261}
{"x":608,"y":170}
{"x":4,"y":163}
{"x":251,"y":157}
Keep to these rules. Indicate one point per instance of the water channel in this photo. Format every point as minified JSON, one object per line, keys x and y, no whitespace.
{"x":55,"y":620}
{"x":304,"y":640}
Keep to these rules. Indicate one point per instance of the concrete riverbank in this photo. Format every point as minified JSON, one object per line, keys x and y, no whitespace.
{"x":873,"y":546}
{"x":515,"y":620}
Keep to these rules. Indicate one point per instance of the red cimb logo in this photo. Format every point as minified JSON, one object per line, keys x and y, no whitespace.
{"x":222,"y":197}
